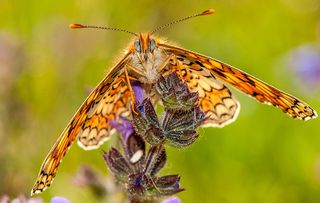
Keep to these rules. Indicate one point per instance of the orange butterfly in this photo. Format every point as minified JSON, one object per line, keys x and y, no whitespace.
{"x":146,"y":59}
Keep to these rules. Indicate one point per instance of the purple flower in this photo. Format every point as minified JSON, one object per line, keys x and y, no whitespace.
{"x":124,"y":126}
{"x":175,"y":93}
{"x":136,"y":170}
{"x":138,"y":91}
{"x":88,"y":177}
{"x":181,"y":117}
{"x":146,"y":123}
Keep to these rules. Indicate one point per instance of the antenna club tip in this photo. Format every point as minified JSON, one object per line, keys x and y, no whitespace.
{"x":208,"y":12}
{"x":73,"y":26}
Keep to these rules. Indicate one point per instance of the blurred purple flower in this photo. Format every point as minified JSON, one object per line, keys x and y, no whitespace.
{"x":172,"y":200}
{"x":4,"y":199}
{"x":305,"y":62}
{"x":59,"y":200}
{"x":20,"y":199}
{"x":88,"y":177}
{"x":25,"y":199}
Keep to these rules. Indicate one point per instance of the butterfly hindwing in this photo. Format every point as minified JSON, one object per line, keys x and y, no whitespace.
{"x":215,"y":99}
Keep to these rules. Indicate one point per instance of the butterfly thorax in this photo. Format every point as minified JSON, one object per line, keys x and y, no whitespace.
{"x":146,"y":59}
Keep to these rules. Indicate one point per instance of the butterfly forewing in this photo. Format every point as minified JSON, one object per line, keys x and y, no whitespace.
{"x":80,"y":121}
{"x":243,"y":82}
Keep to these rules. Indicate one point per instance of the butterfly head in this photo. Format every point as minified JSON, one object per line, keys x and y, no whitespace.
{"x":144,"y":45}
{"x":147,"y":57}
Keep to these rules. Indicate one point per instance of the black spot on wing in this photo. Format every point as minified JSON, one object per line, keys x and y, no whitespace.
{"x":218,"y":73}
{"x":199,"y":63}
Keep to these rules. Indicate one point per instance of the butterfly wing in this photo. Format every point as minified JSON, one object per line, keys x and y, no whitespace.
{"x":87,"y":119}
{"x":242,"y":81}
{"x":215,"y":99}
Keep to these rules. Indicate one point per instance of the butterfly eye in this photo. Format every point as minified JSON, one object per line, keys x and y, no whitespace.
{"x":152,"y":45}
{"x":137,"y":46}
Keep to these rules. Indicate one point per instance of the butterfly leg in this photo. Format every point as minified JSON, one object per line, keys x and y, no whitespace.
{"x":127,"y":80}
{"x":166,"y":62}
{"x":175,"y":66}
{"x":136,"y":70}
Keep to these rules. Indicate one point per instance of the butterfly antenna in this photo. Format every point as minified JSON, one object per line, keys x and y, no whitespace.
{"x":75,"y":26}
{"x":204,"y":13}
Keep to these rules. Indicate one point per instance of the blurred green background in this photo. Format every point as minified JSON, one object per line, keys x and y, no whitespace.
{"x":47,"y":68}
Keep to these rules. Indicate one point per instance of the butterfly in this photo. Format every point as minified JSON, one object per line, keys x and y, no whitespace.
{"x":146,"y":59}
